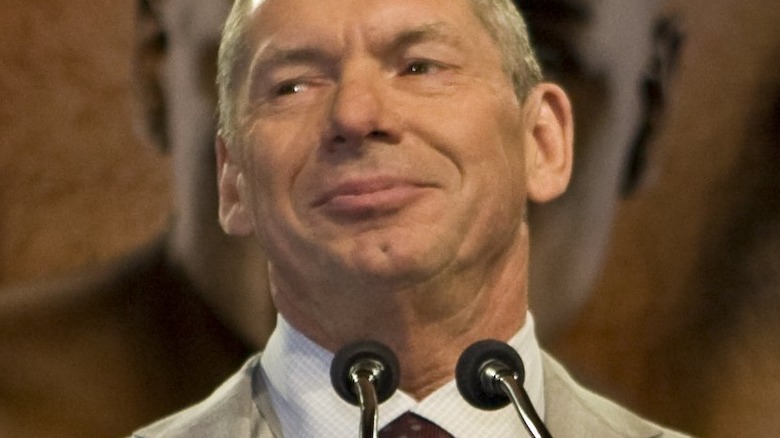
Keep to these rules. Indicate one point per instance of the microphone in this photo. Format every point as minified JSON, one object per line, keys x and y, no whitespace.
{"x":365,"y":374}
{"x":489,"y":375}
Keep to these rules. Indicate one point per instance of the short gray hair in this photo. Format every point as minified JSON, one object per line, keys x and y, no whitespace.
{"x":508,"y":29}
{"x":500,"y":17}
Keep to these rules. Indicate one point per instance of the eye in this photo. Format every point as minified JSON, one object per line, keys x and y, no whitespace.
{"x":419,"y":68}
{"x":289,"y":88}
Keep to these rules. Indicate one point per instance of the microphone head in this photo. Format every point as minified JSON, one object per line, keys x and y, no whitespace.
{"x":471,"y":373}
{"x":373,"y":354}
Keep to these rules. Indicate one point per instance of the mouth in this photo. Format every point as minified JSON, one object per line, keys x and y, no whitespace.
{"x":359,"y":197}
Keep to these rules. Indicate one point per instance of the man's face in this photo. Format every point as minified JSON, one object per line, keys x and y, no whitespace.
{"x":378,"y":138}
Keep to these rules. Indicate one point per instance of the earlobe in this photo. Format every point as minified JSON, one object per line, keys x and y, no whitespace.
{"x":549,"y":146}
{"x":234,"y":215}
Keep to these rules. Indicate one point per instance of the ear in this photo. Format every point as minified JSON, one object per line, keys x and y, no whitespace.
{"x":234,"y":212}
{"x":549,"y":145}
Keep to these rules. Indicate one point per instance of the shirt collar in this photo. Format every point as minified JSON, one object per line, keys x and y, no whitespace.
{"x":298,"y":376}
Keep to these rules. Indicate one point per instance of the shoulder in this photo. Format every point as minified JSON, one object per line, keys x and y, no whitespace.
{"x":231,"y":410}
{"x":572,"y":410}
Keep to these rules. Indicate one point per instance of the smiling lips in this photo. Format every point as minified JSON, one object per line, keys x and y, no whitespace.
{"x":377,"y":195}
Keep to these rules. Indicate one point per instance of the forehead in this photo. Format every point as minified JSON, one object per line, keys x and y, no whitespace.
{"x":345,"y":19}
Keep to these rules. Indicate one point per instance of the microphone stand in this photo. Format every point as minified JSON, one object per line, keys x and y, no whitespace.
{"x":365,"y":374}
{"x":500,"y":374}
{"x":489,"y":375}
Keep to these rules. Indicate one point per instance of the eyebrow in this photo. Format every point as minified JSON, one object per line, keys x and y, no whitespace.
{"x":427,"y":32}
{"x":276,"y":56}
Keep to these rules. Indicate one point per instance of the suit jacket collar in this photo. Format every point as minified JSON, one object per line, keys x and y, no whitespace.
{"x":575,"y":411}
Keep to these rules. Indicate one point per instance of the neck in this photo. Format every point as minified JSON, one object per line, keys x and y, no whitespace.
{"x":427,"y":325}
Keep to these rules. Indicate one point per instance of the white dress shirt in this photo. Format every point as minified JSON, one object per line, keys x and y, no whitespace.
{"x":297,"y":372}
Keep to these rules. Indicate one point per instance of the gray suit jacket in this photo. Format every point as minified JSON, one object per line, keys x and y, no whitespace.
{"x":241,"y":408}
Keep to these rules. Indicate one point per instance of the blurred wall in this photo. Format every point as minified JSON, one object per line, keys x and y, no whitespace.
{"x":684,"y":323}
{"x":76,"y":185}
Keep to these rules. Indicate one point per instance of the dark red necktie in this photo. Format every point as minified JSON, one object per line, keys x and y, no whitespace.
{"x":410,"y":425}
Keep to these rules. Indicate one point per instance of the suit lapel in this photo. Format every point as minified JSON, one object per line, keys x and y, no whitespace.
{"x":572,"y":411}
{"x":262,"y":400}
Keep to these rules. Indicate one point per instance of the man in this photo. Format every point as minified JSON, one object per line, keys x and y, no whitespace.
{"x":383,"y":153}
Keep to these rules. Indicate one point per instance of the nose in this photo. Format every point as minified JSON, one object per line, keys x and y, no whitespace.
{"x":362,"y":111}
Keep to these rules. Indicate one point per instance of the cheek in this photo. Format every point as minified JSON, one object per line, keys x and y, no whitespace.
{"x":280,"y":150}
{"x":486,"y":148}
{"x":280,"y":154}
{"x":494,"y":168}
{"x":489,"y":149}
{"x":266,"y":206}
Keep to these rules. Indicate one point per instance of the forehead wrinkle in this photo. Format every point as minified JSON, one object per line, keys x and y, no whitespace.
{"x":271,"y":56}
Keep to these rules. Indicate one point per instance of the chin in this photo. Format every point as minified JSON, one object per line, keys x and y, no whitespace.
{"x":395,"y":263}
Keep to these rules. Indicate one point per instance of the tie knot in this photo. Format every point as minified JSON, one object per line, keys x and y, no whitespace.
{"x":411,"y":425}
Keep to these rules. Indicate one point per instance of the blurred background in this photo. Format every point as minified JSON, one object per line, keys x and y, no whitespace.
{"x":77,"y":185}
{"x":671,"y":232}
